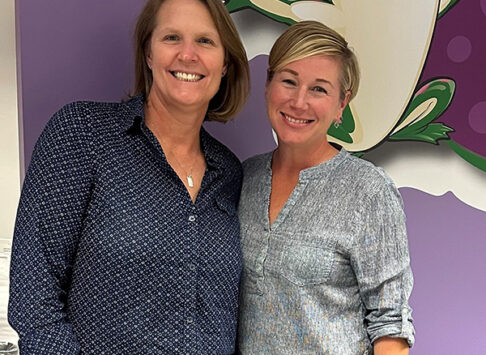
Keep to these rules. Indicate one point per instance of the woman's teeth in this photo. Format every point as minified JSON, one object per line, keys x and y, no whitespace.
{"x":293,"y":120}
{"x":186,"y":76}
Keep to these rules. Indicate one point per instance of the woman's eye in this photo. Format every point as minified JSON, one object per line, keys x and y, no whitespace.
{"x":171,"y":38}
{"x":205,"y":40}
{"x":289,"y":82}
{"x":319,"y":89}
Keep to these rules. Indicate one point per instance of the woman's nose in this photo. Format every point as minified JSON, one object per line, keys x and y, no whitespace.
{"x":299,"y":99}
{"x":188,"y":53}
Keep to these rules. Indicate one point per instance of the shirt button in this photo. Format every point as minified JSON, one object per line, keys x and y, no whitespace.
{"x":192,"y":218}
{"x":189,"y":320}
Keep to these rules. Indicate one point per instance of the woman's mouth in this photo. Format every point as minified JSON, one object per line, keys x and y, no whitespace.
{"x":179,"y":75}
{"x":295,"y":120}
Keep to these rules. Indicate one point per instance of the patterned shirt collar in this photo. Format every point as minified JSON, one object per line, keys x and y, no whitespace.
{"x":133,"y":118}
{"x":132,"y":114}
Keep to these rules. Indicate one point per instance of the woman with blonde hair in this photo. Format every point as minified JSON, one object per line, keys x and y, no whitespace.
{"x":326,"y":266}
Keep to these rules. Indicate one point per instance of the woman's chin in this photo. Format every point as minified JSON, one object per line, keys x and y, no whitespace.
{"x":292,"y":142}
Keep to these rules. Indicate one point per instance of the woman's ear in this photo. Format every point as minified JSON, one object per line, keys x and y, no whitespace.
{"x":345,"y":101}
{"x":148,"y":58}
{"x":269,"y":76}
{"x":268,"y":81}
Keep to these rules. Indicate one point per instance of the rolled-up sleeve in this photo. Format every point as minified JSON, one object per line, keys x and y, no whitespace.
{"x":53,"y":202}
{"x":382,"y":266}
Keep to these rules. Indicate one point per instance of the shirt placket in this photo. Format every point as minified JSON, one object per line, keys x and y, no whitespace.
{"x":287,"y":208}
{"x":191,"y":280}
{"x":271,"y":232}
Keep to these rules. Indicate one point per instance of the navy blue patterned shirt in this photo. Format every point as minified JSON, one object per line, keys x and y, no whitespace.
{"x":110,"y":255}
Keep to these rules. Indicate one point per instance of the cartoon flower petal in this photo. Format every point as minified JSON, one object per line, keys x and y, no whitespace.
{"x":428,"y":103}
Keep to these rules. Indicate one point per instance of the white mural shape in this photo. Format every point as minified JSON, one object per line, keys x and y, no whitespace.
{"x":371,"y":28}
{"x":391,"y":39}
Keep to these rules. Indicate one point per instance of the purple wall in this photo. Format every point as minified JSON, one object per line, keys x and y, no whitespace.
{"x":448,"y":251}
{"x":458,"y":51}
{"x":81,"y":50}
{"x":72,"y":50}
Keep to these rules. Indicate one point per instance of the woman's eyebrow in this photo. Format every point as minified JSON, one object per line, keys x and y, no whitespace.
{"x":293,"y":72}
{"x":325,"y":81}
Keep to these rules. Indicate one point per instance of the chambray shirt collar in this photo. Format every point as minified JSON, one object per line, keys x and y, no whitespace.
{"x":324,"y":169}
{"x":133,"y":118}
{"x":319,"y":171}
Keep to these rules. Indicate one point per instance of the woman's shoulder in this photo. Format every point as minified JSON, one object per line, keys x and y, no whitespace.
{"x":72,"y":129}
{"x":353,"y":165}
{"x":93,"y":110}
{"x":366,"y":176}
{"x":97,"y":118}
{"x":257,"y":163}
{"x":77,"y":114}
{"x":361,"y":185}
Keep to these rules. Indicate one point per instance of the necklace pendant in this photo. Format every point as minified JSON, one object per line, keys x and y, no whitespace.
{"x":189,"y":181}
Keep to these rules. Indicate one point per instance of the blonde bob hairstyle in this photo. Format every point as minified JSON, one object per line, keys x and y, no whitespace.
{"x":235,"y":85}
{"x":308,"y":38}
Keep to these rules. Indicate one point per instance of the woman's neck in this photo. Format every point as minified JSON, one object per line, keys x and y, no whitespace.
{"x":293,"y":158}
{"x":177,"y":130}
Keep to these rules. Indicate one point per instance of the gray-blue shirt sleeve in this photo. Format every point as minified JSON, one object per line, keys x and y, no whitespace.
{"x":381,"y":262}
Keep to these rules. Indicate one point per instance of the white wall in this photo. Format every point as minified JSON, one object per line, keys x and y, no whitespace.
{"x":9,"y":132}
{"x":9,"y":153}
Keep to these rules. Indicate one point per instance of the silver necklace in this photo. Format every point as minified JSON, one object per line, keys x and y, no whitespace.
{"x":190,"y":181}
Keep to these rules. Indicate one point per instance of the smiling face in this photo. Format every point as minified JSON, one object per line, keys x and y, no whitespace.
{"x":186,"y":55}
{"x":303,"y":100}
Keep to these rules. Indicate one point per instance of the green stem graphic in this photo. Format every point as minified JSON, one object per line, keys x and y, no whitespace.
{"x":472,"y":158}
{"x":447,"y":8}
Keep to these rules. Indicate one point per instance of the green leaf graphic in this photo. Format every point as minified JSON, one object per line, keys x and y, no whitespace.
{"x":237,"y":5}
{"x":430,"y":133}
{"x":342,"y":132}
{"x":421,"y":129}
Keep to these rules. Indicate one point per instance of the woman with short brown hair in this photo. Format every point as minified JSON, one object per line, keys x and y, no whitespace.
{"x":127,"y":238}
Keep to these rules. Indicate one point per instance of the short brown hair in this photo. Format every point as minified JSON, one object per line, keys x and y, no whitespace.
{"x":235,"y":85}
{"x":308,"y":38}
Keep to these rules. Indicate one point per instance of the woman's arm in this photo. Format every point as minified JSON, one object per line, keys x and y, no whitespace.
{"x":49,"y":220}
{"x":381,"y":263}
{"x":390,"y":346}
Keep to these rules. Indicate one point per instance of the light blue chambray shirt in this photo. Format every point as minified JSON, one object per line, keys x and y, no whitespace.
{"x":332,"y":273}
